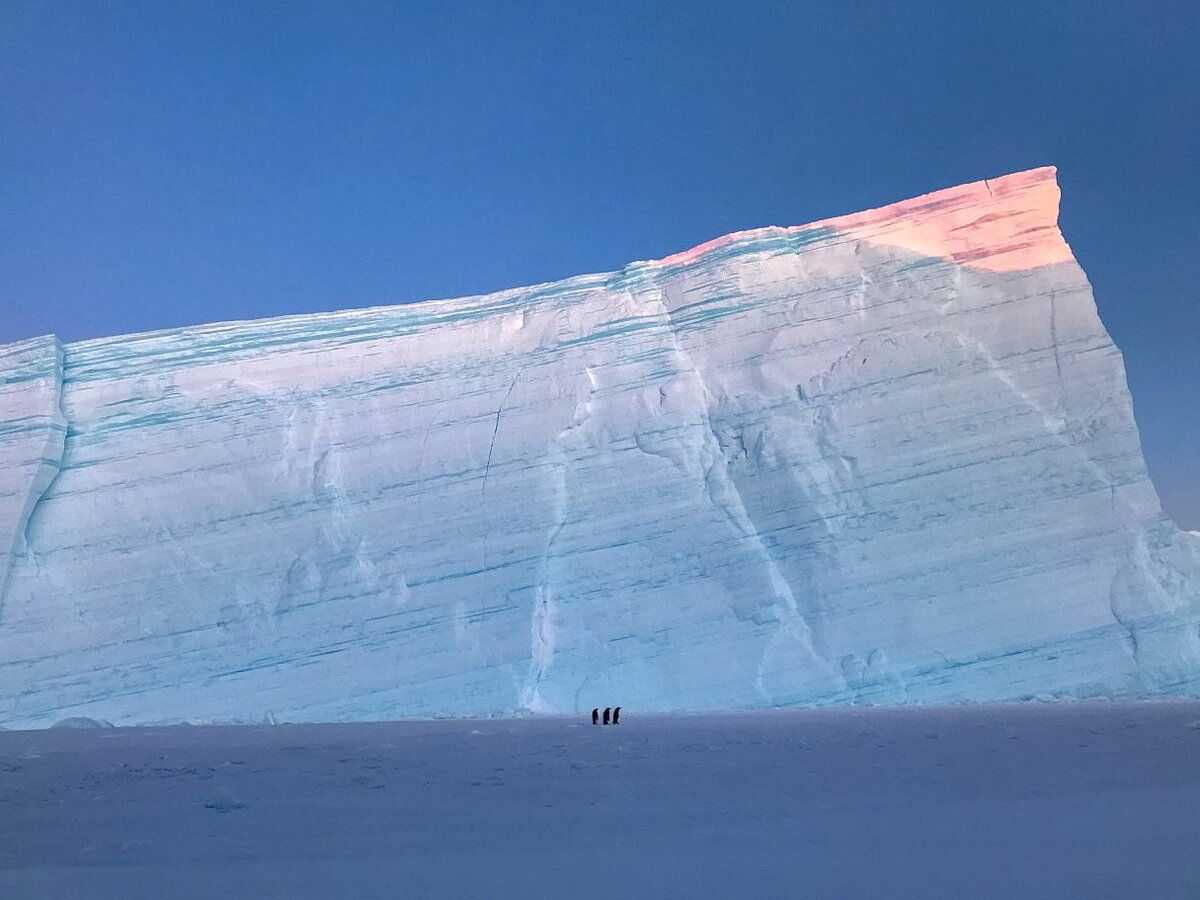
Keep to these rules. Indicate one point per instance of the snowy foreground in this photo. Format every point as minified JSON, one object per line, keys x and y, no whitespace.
{"x":1037,"y":800}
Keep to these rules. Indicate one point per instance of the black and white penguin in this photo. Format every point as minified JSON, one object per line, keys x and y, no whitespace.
{"x":607,"y":714}
{"x":617,"y":716}
{"x":596,"y":716}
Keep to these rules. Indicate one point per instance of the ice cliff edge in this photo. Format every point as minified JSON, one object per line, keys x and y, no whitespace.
{"x":888,"y":457}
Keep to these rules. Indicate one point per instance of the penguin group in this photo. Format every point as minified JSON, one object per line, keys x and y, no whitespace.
{"x":611,"y":715}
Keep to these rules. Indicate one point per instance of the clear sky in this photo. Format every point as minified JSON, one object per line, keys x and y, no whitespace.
{"x":171,"y":163}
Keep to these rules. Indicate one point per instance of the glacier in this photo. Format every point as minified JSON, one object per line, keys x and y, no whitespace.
{"x":884,"y":458}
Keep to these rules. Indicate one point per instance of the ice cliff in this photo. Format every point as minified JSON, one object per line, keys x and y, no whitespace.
{"x":889,"y":457}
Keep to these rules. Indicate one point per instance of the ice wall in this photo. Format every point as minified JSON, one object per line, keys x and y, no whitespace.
{"x":888,"y":458}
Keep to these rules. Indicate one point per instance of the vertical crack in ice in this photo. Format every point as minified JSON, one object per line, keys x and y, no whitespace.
{"x":1150,"y":601}
{"x":1054,"y":338}
{"x":487,"y":469}
{"x":55,"y":448}
{"x":723,"y":493}
{"x":1056,"y":425}
{"x":1057,"y":422}
{"x":1114,"y":607}
{"x":335,"y":556}
{"x":1136,"y":562}
{"x":50,"y":461}
{"x":496,"y":430}
{"x":542,"y":624}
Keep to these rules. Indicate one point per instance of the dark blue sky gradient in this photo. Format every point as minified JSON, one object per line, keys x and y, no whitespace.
{"x":164,"y":164}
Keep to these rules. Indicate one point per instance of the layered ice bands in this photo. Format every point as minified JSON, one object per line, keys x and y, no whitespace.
{"x":884,"y":458}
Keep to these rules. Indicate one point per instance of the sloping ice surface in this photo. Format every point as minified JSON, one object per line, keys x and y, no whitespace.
{"x":884,"y":458}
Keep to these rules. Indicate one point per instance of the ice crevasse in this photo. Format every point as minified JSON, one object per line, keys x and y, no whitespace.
{"x":889,"y":457}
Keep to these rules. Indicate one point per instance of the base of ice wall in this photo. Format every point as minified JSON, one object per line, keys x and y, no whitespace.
{"x":885,"y":458}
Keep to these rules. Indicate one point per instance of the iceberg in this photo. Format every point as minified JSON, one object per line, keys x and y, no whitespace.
{"x":884,"y":458}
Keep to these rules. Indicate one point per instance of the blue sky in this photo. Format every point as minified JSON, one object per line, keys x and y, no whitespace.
{"x":164,"y":164}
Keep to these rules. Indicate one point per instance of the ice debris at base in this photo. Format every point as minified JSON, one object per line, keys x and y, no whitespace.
{"x":81,"y":722}
{"x":889,"y":457}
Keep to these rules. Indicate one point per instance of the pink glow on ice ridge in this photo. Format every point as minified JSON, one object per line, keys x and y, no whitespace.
{"x":1000,"y":225}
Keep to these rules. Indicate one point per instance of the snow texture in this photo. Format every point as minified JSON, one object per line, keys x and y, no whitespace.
{"x":884,"y":458}
{"x":1079,"y":800}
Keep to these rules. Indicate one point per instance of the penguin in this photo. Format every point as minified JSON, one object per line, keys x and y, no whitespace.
{"x":617,"y":716}
{"x":596,"y":716}
{"x":607,"y":714}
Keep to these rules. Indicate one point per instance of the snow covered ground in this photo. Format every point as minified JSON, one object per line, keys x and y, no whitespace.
{"x":1034,"y":800}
